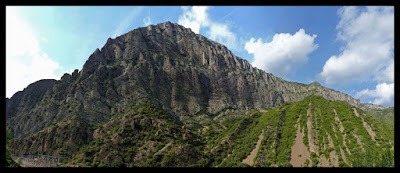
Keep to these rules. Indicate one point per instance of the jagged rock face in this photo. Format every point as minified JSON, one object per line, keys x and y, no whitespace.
{"x":188,"y":73}
{"x":183,"y":73}
{"x":62,"y":138}
{"x":24,"y":108}
{"x":24,"y":101}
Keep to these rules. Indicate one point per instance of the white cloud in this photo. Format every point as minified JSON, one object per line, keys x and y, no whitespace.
{"x":387,"y":73}
{"x":368,"y":35}
{"x":196,"y":18}
{"x":283,"y":54}
{"x":17,"y":30}
{"x":383,"y":94}
{"x":147,"y":21}
{"x":221,"y":33}
{"x":25,"y":61}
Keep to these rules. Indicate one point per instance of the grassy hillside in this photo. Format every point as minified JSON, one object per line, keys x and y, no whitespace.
{"x":313,"y":132}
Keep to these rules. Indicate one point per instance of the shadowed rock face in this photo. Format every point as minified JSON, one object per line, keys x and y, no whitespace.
{"x":181,"y":72}
{"x":62,"y":138}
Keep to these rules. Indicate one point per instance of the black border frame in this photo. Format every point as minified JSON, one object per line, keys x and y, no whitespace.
{"x":395,"y":3}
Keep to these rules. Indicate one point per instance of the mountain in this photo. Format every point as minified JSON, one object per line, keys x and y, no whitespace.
{"x":150,"y":93}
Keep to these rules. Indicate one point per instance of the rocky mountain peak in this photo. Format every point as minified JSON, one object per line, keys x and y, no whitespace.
{"x":316,"y":84}
{"x":156,"y":43}
{"x":181,"y":72}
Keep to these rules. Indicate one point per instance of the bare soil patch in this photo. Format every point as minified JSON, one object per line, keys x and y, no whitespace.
{"x":356,"y":113}
{"x":311,"y":140}
{"x":262,"y":110}
{"x":299,"y":151}
{"x":341,"y":128}
{"x":250,"y":158}
{"x":366,"y":126}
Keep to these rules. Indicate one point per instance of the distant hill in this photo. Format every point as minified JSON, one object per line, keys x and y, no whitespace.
{"x":383,"y":113}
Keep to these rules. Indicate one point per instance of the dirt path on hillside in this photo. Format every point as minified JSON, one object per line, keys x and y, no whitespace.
{"x":356,"y":113}
{"x":343,"y":156}
{"x":344,"y":143}
{"x":262,"y":110}
{"x":366,"y":126}
{"x":334,"y":158}
{"x":369,"y":130}
{"x":250,"y":158}
{"x":311,"y":140}
{"x":299,"y":151}
{"x":164,"y":148}
{"x":341,"y":128}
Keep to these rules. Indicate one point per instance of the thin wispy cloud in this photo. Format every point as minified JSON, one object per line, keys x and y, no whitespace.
{"x":126,"y":22}
{"x":147,"y":21}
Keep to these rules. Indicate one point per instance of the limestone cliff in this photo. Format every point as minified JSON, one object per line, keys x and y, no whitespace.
{"x":180,"y":72}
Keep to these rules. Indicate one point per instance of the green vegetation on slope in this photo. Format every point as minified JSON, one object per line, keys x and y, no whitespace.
{"x":143,"y":136}
{"x":335,"y":134}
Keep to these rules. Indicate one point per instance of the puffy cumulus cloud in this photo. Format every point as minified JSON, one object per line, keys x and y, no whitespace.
{"x":194,"y":18}
{"x":283,"y":54}
{"x":197,"y":18}
{"x":368,"y":35}
{"x":383,"y":94}
{"x":25,"y":61}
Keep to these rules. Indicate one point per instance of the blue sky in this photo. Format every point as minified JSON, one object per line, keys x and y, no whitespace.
{"x":349,"y":49}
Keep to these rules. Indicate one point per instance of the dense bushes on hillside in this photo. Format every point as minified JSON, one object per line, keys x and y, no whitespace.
{"x":146,"y":136}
